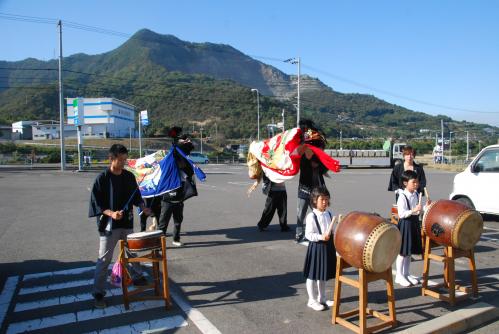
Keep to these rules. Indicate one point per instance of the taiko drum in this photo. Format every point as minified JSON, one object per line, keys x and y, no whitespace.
{"x":451,"y":223}
{"x":367,"y":241}
{"x":143,"y":241}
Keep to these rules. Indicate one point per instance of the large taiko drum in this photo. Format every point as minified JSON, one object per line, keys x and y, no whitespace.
{"x":451,"y":223}
{"x":367,"y":241}
{"x":143,"y":241}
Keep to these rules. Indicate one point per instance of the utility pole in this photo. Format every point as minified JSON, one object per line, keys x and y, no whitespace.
{"x":201,"y":134}
{"x":140,"y":137}
{"x":450,"y":147}
{"x":341,"y":137}
{"x":442,"y":127}
{"x":467,"y":146}
{"x":283,"y":127}
{"x":298,"y":98}
{"x":257,"y":111}
{"x":130,"y":135}
{"x":297,"y":61}
{"x":61,"y":102}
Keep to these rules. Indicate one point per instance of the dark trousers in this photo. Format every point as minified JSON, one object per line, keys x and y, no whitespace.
{"x":275,"y":200}
{"x":167,"y":210}
{"x":154,"y":204}
{"x":303,"y":205}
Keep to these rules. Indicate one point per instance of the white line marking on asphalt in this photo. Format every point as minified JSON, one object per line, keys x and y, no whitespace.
{"x":203,"y":324}
{"x":6,"y":296}
{"x":489,"y":239}
{"x":60,"y":272}
{"x":241,"y":183}
{"x":68,"y":318}
{"x":56,"y":286}
{"x":61,"y":300}
{"x":147,"y":326}
{"x":490,"y":228}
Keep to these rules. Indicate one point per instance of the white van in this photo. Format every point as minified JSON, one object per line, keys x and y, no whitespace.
{"x":478,"y":185}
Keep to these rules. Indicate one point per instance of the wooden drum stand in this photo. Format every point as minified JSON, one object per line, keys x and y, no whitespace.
{"x":155,"y":256}
{"x":365,"y":277}
{"x":450,"y":254}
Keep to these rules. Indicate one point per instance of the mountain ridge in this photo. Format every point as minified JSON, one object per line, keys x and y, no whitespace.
{"x":185,"y":82}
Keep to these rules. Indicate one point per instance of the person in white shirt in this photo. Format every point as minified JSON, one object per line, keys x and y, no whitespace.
{"x":320,"y":261}
{"x":409,"y":208}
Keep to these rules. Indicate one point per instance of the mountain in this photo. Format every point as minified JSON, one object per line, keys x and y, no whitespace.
{"x":201,"y":84}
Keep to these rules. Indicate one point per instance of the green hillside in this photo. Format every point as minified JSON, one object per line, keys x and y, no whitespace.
{"x":202,"y":84}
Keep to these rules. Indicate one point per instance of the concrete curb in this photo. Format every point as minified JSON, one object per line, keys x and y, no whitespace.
{"x":457,"y":321}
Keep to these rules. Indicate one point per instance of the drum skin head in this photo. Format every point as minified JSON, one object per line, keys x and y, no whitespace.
{"x":469,"y":227}
{"x":142,"y":235}
{"x":382,"y":247}
{"x":451,"y":223}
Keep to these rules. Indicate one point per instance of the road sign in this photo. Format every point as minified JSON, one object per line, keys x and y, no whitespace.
{"x":78,"y":111}
{"x":144,"y":119}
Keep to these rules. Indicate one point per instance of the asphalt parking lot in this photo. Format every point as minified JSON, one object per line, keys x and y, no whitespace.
{"x":229,"y":276}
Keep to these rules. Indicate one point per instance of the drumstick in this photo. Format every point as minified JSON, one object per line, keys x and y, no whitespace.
{"x":420,"y":197}
{"x":330,"y":228}
{"x":426,"y":193}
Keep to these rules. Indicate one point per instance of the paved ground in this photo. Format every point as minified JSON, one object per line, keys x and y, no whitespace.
{"x":229,"y":277}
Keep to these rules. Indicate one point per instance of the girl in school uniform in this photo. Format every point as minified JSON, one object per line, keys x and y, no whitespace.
{"x":409,"y":208}
{"x":320,"y":261}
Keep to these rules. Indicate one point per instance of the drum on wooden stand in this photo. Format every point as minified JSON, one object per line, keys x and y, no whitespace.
{"x":367,"y":241}
{"x":452,"y":223}
{"x":144,"y":241}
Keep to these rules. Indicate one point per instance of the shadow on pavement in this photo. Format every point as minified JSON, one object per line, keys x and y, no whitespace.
{"x":242,"y":290}
{"x":241,"y":235}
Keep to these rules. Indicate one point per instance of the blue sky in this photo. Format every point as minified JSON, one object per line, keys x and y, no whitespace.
{"x":437,"y":57}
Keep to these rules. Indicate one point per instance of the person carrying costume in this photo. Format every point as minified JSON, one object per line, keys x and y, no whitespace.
{"x":172,"y":203}
{"x":312,"y":173}
{"x":114,"y":193}
{"x":409,"y":208}
{"x":277,"y":199}
{"x":320,"y":261}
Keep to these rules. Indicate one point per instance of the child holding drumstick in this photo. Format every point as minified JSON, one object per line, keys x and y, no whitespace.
{"x":320,"y":261}
{"x":409,"y":208}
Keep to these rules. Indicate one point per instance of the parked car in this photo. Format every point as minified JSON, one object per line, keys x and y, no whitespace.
{"x":477,"y":186}
{"x":199,"y":158}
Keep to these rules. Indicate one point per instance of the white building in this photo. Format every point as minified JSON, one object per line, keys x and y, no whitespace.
{"x":22,"y":130}
{"x":104,"y":117}
{"x":45,"y":130}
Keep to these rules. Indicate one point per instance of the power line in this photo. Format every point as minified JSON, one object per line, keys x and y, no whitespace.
{"x":99,"y":30}
{"x":395,"y":94}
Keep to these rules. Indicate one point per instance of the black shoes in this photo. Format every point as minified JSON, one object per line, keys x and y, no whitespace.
{"x":99,"y":301}
{"x":299,"y":238}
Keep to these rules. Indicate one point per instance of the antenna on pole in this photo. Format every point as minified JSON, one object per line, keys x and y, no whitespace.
{"x":296,"y":61}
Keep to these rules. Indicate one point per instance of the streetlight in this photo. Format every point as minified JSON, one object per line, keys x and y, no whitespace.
{"x":283,"y":120}
{"x":201,"y":139}
{"x":257,"y":110}
{"x":450,"y":146}
{"x":296,"y":61}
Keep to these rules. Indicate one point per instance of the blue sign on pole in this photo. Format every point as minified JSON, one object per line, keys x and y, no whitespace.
{"x":144,"y":120}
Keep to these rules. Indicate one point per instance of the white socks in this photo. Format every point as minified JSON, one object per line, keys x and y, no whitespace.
{"x":311,"y":290}
{"x":317,"y":301}
{"x":407,"y":263}
{"x":399,"y":277}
